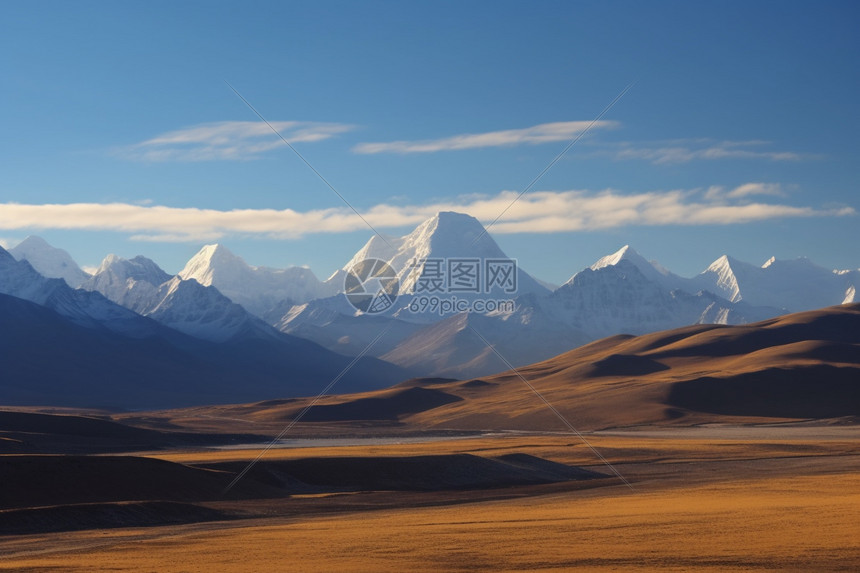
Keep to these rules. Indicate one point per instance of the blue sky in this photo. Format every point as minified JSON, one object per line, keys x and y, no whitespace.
{"x":739,"y":135}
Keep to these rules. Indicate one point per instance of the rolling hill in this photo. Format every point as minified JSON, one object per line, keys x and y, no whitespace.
{"x":796,"y":367}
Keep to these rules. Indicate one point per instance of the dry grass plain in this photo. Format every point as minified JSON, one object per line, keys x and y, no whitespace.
{"x":704,"y":499}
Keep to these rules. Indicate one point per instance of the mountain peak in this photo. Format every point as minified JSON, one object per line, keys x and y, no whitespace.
{"x":261,"y":290}
{"x":34,"y":242}
{"x":625,"y":253}
{"x":651,"y":270}
{"x":49,"y":261}
{"x":212,"y":259}
{"x":454,"y":217}
{"x":382,"y":247}
{"x":445,"y":235}
{"x":450,"y":234}
{"x":726,"y":263}
{"x":139,"y":268}
{"x":108,"y":262}
{"x":216,"y":251}
{"x":728,"y":273}
{"x":454,"y":222}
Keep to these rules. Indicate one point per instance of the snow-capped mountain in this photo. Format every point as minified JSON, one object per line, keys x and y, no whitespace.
{"x":184,"y":305}
{"x":263,"y":291}
{"x":652,"y":270}
{"x":49,"y":261}
{"x":619,"y":298}
{"x":446,"y":235}
{"x":92,"y":310}
{"x":131,"y":283}
{"x":792,"y":285}
{"x":334,"y":323}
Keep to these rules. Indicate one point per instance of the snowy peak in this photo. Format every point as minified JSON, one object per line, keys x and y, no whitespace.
{"x":49,"y":261}
{"x":792,"y":285}
{"x":88,"y":309}
{"x":184,"y":305}
{"x":34,"y":244}
{"x":451,"y":223}
{"x":624,"y":253}
{"x":108,"y":262}
{"x":726,"y":262}
{"x":383,"y":247}
{"x":723,"y":276}
{"x":130,"y":283}
{"x":263,"y":291}
{"x":651,"y":270}
{"x":448,"y":234}
{"x":445,"y":235}
{"x":138,"y":269}
{"x":214,"y":260}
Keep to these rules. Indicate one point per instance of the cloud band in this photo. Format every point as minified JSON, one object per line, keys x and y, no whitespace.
{"x":536,"y":212}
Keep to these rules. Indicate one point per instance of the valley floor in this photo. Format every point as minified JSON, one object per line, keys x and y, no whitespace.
{"x":702,"y":499}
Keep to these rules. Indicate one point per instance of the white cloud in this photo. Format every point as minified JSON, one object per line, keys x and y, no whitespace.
{"x":684,"y":151}
{"x":543,"y":133}
{"x":228,"y":140}
{"x":718,"y":192}
{"x":536,"y":212}
{"x":757,"y":189}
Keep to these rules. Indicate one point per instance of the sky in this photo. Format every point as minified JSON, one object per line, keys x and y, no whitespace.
{"x":698,"y":129}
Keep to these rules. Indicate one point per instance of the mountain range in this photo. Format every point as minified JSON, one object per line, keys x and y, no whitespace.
{"x":219,"y":299}
{"x":61,"y":346}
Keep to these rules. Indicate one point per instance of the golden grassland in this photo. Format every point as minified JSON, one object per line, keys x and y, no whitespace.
{"x":700,"y":503}
{"x":806,"y":523}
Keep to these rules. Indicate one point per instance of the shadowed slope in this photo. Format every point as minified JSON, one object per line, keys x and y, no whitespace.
{"x":412,"y":473}
{"x":30,"y":432}
{"x":50,"y":360}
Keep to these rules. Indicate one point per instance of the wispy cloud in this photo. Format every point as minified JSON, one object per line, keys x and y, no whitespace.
{"x":719,"y":193}
{"x":774,"y":189}
{"x":684,"y":151}
{"x":537,"y":212}
{"x":543,"y":133}
{"x":228,"y":140}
